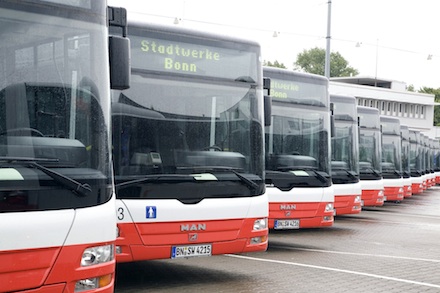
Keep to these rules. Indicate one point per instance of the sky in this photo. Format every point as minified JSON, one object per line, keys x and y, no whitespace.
{"x":389,"y":39}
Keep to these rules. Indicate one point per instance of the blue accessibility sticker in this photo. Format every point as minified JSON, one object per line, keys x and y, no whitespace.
{"x":151,"y":212}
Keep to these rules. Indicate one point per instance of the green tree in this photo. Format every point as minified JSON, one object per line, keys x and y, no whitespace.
{"x":436,"y":93}
{"x":313,"y":61}
{"x":274,"y":64}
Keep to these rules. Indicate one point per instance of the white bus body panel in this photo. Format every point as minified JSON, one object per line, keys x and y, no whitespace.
{"x":172,"y":210}
{"x":347,"y":189}
{"x":372,"y":184}
{"x":395,"y":182}
{"x":407,"y":181}
{"x":94,"y":224}
{"x":417,"y":180}
{"x":27,"y":230}
{"x":301,"y":194}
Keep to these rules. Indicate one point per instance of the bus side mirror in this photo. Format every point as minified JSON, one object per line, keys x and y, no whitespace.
{"x":119,"y":50}
{"x":267,"y":110}
{"x":267,"y":102}
{"x":120,"y":69}
{"x":332,"y":121}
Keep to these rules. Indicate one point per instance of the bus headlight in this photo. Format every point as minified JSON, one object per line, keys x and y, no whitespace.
{"x":329,"y":207}
{"x":98,"y":254}
{"x":357,"y":198}
{"x":260,"y":224}
{"x":381,"y":193}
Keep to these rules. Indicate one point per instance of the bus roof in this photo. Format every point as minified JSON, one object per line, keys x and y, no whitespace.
{"x":343,"y":98}
{"x":363,"y":109}
{"x":289,"y":73}
{"x":178,"y":30}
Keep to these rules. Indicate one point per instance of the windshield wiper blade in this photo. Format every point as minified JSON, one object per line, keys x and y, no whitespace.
{"x":153,"y":178}
{"x":321,"y":177}
{"x":245,"y":180}
{"x":348,"y":172}
{"x":82,"y":189}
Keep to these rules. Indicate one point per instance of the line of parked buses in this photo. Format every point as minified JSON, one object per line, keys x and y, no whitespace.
{"x":197,"y":147}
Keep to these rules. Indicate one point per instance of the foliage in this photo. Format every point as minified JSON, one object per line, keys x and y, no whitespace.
{"x":436,"y":93}
{"x":274,"y":64}
{"x":313,"y":61}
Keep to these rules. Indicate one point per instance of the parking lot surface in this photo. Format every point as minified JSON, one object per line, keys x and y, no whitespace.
{"x":393,"y":248}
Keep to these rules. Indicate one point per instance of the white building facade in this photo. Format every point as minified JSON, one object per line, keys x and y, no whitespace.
{"x":416,"y":110}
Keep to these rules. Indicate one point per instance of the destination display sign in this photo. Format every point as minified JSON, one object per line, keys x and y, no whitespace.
{"x":193,"y":58}
{"x":298,"y":91}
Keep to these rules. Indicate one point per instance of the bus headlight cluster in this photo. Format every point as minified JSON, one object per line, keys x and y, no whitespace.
{"x":97,"y":255}
{"x":357,"y":198}
{"x":329,"y":207}
{"x":260,"y":224}
{"x":380,"y":194}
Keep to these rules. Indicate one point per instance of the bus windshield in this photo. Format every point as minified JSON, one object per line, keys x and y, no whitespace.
{"x":391,"y":146}
{"x":391,"y":160}
{"x":415,"y":157}
{"x":344,"y":142}
{"x":191,"y":110}
{"x":53,"y":117}
{"x":370,"y":144}
{"x":297,"y":141}
{"x":406,"y":169}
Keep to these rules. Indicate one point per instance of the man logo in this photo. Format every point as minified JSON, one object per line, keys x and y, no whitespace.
{"x":192,"y":237}
{"x":193,"y":227}
{"x":287,"y":207}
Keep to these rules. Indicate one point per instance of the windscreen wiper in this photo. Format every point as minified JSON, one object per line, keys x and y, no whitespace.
{"x":243,"y":179}
{"x":370,"y":170}
{"x":82,"y":189}
{"x":349,"y":173}
{"x":153,"y":178}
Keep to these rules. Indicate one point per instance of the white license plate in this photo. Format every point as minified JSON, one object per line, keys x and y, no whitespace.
{"x":191,"y":250}
{"x":362,"y":203}
{"x":286,"y":224}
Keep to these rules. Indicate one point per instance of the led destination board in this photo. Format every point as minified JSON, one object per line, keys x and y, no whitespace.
{"x":192,"y":58}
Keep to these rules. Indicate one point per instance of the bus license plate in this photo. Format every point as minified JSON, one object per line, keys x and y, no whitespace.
{"x":286,"y":224}
{"x":191,"y":250}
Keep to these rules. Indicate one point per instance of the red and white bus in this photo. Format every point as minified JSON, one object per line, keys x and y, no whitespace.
{"x":188,"y":146}
{"x":298,"y":181}
{"x":391,"y":158}
{"x":436,"y":160}
{"x":406,"y":167}
{"x":416,"y":162}
{"x":430,"y":144}
{"x":370,"y":156}
{"x":425,"y":161}
{"x":345,"y":155}
{"x":57,"y":199}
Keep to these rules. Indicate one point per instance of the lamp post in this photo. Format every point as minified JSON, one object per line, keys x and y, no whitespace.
{"x":377,"y":57}
{"x":327,"y":50}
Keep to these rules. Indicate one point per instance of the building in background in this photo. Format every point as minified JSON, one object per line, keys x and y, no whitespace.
{"x":391,"y":98}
